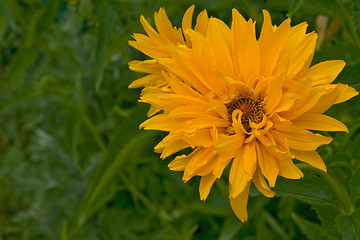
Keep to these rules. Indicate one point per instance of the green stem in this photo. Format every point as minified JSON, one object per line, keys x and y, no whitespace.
{"x":276,"y":226}
{"x":340,"y":192}
{"x":94,"y":132}
{"x":152,"y":207}
{"x":139,"y":195}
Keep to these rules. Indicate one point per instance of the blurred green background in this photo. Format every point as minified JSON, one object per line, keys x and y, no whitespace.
{"x":73,"y":163}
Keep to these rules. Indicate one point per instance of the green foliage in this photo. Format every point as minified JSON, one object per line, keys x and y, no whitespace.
{"x":349,"y":226}
{"x":74,"y":165}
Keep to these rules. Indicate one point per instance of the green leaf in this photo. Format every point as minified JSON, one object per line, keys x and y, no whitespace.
{"x":123,"y":146}
{"x":22,"y":60}
{"x":311,"y":230}
{"x":355,"y":181}
{"x":106,"y":17}
{"x":118,"y":159}
{"x":356,"y":7}
{"x":311,"y":189}
{"x":229,"y":230}
{"x":85,"y":8}
{"x":349,"y":226}
{"x":325,"y":7}
{"x":338,"y":50}
{"x":327,"y":216}
{"x":350,"y":74}
{"x":294,"y":7}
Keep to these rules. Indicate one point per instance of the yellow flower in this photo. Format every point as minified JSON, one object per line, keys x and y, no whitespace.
{"x":235,"y":98}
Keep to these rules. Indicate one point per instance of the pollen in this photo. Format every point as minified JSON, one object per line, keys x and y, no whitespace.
{"x":253,"y":110}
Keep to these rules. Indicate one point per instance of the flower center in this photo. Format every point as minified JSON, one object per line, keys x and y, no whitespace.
{"x":253,"y":110}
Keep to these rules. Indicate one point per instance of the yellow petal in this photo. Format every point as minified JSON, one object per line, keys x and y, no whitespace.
{"x":169,"y":145}
{"x":272,"y":44}
{"x":218,"y":38}
{"x":249,"y":159}
{"x":318,"y":121}
{"x":237,"y":31}
{"x":266,"y":31}
{"x":229,"y":144}
{"x":302,"y":54}
{"x":261,"y":184}
{"x":346,"y":93}
{"x":327,"y":100}
{"x":288,"y":169}
{"x":146,"y":80}
{"x":281,"y":124}
{"x":150,"y":31}
{"x":146,"y":66}
{"x":198,"y":62}
{"x":201,"y":137}
{"x":191,"y":111}
{"x":202,"y":22}
{"x":268,"y":164}
{"x":159,"y":122}
{"x":187,"y":22}
{"x":303,"y":140}
{"x":152,"y":111}
{"x":218,"y":107}
{"x":180,"y":162}
{"x":246,"y":51}
{"x":266,"y":139}
{"x":239,"y":203}
{"x":180,"y":87}
{"x":287,"y":101}
{"x":149,"y":48}
{"x":280,"y":140}
{"x":297,"y":50}
{"x":221,"y":163}
{"x":325,"y":72}
{"x":237,"y":177}
{"x":165,"y":27}
{"x":180,"y":69}
{"x":273,"y":94}
{"x":307,"y":101}
{"x":310,"y":157}
{"x":198,"y":162}
{"x":206,"y":183}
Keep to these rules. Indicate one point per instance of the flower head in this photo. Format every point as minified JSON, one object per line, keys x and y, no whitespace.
{"x":235,"y":99}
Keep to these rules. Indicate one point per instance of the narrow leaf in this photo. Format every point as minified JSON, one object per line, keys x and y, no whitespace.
{"x":311,"y":230}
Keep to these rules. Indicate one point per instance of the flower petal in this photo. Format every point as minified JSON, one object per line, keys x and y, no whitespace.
{"x":325,"y":72}
{"x":165,"y":28}
{"x":303,"y":140}
{"x":239,"y":203}
{"x":310,"y":157}
{"x":218,"y":38}
{"x":318,"y":121}
{"x":180,"y":162}
{"x":237,"y":177}
{"x":347,"y":92}
{"x":261,"y":184}
{"x":229,"y":144}
{"x":249,"y":159}
{"x":187,"y":22}
{"x":288,"y":168}
{"x":268,"y":164}
{"x":201,"y":22}
{"x":274,"y":94}
{"x":199,"y":160}
{"x":206,"y":183}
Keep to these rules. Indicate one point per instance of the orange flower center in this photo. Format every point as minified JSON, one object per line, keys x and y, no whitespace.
{"x":253,"y":110}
